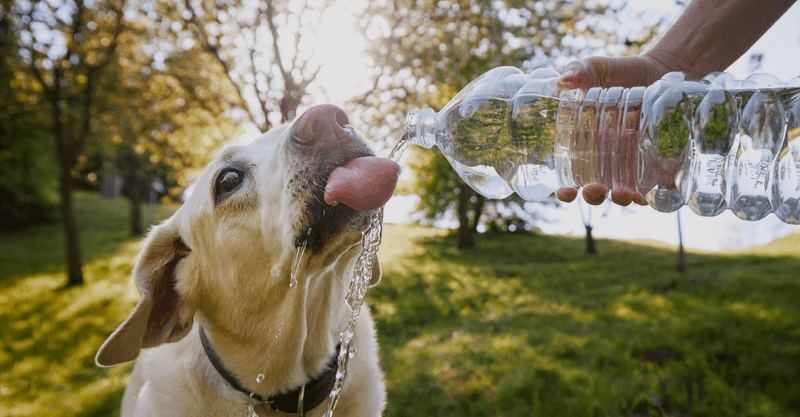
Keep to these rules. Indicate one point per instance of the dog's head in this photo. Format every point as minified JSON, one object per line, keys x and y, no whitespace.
{"x":251,"y":211}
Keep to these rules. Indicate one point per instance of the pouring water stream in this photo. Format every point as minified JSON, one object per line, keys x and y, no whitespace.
{"x":370,"y":242}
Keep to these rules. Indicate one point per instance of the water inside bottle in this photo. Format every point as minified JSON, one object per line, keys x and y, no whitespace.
{"x":499,"y":149}
{"x":533,"y":144}
{"x":761,"y":130}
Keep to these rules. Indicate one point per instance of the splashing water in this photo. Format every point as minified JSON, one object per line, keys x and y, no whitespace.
{"x":370,"y":242}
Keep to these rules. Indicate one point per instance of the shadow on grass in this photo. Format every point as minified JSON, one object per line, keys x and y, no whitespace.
{"x":51,"y":333}
{"x":106,"y":407}
{"x":530,"y":325}
{"x":50,"y":340}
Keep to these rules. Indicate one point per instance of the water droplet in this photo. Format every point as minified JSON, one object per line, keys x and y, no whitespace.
{"x":298,"y":256}
{"x":260,"y":378}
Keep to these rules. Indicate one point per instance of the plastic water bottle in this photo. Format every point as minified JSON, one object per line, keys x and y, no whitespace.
{"x":713,"y":144}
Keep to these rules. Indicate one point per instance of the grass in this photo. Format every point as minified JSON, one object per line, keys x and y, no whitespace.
{"x":524,"y":325}
{"x":528,"y":325}
{"x":50,"y":334}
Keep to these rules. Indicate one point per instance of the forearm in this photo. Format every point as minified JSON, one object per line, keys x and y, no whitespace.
{"x":712,"y":34}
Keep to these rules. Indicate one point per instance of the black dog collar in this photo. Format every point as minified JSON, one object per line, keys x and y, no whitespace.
{"x":314,"y":391}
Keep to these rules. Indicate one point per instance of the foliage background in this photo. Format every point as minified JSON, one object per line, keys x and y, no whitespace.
{"x":525,"y":324}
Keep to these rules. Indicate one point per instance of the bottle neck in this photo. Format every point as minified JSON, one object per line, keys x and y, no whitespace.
{"x":420,"y":128}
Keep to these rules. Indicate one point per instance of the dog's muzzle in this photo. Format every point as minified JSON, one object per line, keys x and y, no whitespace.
{"x":354,"y":176}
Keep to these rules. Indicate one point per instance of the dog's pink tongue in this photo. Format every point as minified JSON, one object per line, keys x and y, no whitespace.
{"x":362,"y":184}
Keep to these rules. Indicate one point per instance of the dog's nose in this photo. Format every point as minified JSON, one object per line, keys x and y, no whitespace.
{"x":321,"y":124}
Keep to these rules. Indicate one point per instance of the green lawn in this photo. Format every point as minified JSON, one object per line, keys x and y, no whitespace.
{"x":523,"y":325}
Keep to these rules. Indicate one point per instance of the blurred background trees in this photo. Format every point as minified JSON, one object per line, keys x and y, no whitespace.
{"x":163,"y":114}
{"x":144,"y":90}
{"x":141,"y":91}
{"x":28,"y":185}
{"x":62,"y":49}
{"x":261,"y":48}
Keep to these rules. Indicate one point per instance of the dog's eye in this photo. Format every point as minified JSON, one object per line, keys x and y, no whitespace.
{"x":228,"y":180}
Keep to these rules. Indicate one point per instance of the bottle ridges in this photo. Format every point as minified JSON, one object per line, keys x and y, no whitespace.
{"x":714,"y":144}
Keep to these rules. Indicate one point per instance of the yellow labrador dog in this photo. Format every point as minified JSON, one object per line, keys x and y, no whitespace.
{"x":222,"y":324}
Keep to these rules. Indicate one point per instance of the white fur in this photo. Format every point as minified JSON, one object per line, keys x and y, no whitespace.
{"x":227,"y":267}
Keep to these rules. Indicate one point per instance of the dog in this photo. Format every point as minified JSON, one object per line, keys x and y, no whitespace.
{"x":243,"y":288}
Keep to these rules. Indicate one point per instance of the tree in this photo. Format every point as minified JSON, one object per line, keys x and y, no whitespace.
{"x":682,"y":265}
{"x":262,"y":48}
{"x":65,"y":47}
{"x":591,"y":248}
{"x":163,"y":115}
{"x":426,"y":51}
{"x":443,"y":193}
{"x":28,"y":190}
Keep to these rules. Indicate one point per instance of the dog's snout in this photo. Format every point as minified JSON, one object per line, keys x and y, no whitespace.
{"x":321,"y":125}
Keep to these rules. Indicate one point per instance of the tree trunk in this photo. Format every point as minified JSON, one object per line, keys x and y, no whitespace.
{"x":290,"y":101}
{"x":466,"y":239}
{"x":590,"y":247}
{"x":587,"y":223}
{"x":681,"y":254}
{"x":476,"y":219}
{"x":129,"y":165}
{"x":64,"y":158}
{"x":136,"y":214}
{"x":74,"y":264}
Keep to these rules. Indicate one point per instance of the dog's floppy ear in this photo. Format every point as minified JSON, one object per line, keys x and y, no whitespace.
{"x":160,"y":316}
{"x":377,"y":273}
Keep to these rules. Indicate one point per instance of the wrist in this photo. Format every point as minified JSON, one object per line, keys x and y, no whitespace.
{"x":660,"y":62}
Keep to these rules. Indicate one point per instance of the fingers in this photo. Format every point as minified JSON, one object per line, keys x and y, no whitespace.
{"x":638,"y":198}
{"x":576,"y":75}
{"x":595,"y":194}
{"x":621,"y":196}
{"x":567,"y":194}
{"x":607,"y":72}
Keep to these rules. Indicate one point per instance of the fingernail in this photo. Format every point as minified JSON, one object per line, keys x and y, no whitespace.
{"x":569,"y":73}
{"x":568,"y":80}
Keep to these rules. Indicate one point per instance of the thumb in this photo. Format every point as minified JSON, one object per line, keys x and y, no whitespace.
{"x":609,"y":72}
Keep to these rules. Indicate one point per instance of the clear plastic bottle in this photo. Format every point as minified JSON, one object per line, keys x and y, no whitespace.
{"x":713,"y":144}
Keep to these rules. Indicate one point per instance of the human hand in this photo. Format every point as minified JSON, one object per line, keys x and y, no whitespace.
{"x":608,"y":72}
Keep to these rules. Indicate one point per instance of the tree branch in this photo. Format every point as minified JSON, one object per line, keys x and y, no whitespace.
{"x":274,"y":31}
{"x":200,"y":33}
